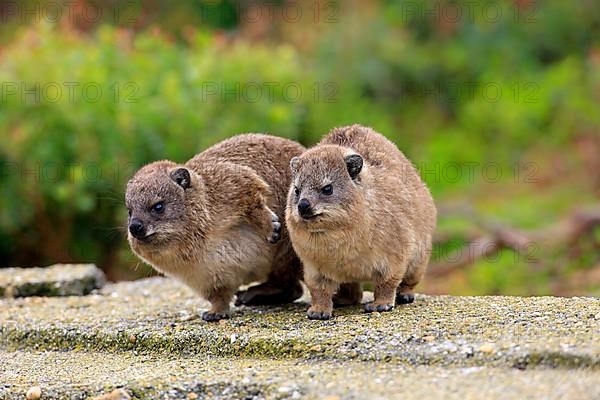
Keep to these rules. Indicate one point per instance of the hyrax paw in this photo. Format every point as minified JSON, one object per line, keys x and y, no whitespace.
{"x":372,"y":307}
{"x":243,"y":297}
{"x":214,"y":316}
{"x":318,"y":315}
{"x":276,"y":232}
{"x":405,"y":298}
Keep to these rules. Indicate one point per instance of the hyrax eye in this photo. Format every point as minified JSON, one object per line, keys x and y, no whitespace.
{"x":296,"y":191}
{"x":158,"y":208}
{"x":129,"y":212}
{"x":327,"y":190}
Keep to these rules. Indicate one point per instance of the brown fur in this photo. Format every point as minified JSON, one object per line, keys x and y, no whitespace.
{"x":214,"y":235}
{"x":376,"y":227}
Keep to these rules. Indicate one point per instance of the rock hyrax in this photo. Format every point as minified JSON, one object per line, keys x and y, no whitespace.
{"x":214,"y":222}
{"x":358,"y":211}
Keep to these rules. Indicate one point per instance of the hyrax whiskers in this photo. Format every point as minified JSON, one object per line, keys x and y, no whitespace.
{"x":358,"y":211}
{"x":214,"y":222}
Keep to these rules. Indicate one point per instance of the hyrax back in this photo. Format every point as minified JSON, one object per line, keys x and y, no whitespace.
{"x":358,"y":211}
{"x":214,"y":222}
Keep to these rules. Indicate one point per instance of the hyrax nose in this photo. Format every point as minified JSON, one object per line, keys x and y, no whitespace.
{"x":304,"y":207}
{"x":137,"y":229}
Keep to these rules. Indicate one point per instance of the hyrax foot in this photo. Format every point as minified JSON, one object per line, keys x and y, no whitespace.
{"x":214,"y":316}
{"x":372,"y":307}
{"x":406,"y":298}
{"x":276,"y":233}
{"x":385,"y":293}
{"x":316,"y":314}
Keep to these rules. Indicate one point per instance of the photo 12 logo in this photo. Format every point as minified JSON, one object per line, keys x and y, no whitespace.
{"x":71,"y":92}
{"x":271,"y":11}
{"x":121,"y":12}
{"x":471,"y":172}
{"x":470,"y":11}
{"x":254,"y":92}
{"x":54,"y":172}
{"x":468,"y":92}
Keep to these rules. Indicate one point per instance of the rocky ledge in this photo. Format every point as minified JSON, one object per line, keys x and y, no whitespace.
{"x":145,"y":339}
{"x":57,"y":280}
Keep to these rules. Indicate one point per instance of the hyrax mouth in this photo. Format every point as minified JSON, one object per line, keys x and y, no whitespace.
{"x":310,"y":217}
{"x":149,"y":238}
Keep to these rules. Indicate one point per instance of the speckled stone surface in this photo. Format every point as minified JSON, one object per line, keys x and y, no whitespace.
{"x":85,"y":375}
{"x":56,"y":280}
{"x":147,"y":338}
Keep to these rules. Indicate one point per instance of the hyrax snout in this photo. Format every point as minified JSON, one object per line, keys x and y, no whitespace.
{"x":216,"y":222}
{"x":357,"y":210}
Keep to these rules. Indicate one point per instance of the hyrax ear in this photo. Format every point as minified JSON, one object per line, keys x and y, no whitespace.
{"x":295,"y":164}
{"x":182,"y":177}
{"x":354,"y":163}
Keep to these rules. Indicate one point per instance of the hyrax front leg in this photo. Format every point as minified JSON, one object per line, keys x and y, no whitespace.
{"x":385,"y":294}
{"x":321,"y":290}
{"x":268,"y":222}
{"x":275,"y":234}
{"x":405,"y":294}
{"x":219,"y":305}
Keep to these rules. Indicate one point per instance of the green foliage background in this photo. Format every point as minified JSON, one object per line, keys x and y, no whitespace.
{"x":378,"y":63}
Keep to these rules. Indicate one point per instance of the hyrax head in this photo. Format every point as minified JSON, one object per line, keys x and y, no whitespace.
{"x":325,"y":187}
{"x":156,"y":201}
